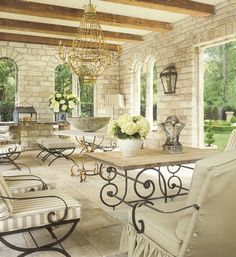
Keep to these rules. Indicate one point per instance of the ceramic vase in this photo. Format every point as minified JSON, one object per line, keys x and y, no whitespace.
{"x":129,"y":147}
{"x":60,"y":116}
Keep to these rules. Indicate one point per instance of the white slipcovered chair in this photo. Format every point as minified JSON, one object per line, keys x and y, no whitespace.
{"x":204,"y":225}
{"x":231,"y":144}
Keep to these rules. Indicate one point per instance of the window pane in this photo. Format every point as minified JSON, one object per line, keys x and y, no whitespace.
{"x":7,"y":89}
{"x":86,"y":100}
{"x":143,"y":85}
{"x":154,"y":109}
{"x":63,"y":78}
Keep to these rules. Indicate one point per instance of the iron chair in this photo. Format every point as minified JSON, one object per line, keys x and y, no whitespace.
{"x":201,"y":226}
{"x":33,"y":211}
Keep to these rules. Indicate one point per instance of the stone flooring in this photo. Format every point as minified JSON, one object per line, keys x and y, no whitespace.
{"x":98,"y":233}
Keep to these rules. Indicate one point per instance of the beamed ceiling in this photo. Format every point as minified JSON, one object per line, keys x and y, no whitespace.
{"x":37,"y":21}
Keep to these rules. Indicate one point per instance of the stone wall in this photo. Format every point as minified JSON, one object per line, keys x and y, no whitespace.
{"x":181,"y":47}
{"x":36,"y":65}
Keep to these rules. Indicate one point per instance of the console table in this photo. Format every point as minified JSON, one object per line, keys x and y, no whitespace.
{"x":89,"y":142}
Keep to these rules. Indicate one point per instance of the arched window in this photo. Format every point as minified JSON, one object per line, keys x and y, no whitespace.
{"x":151,"y":92}
{"x":136,"y":92}
{"x":86,"y":95}
{"x":145,"y":90}
{"x":8,"y":88}
{"x":65,"y":80}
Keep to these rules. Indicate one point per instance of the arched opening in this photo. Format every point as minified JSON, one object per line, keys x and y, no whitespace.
{"x":8,"y":88}
{"x":63,"y":78}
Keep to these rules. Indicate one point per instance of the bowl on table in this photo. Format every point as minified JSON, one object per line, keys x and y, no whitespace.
{"x":89,"y":124}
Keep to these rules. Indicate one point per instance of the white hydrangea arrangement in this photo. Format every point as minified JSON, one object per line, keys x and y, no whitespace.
{"x":128,"y":127}
{"x":63,"y":102}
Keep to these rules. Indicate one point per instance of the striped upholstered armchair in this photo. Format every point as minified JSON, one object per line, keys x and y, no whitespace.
{"x":46,"y":209}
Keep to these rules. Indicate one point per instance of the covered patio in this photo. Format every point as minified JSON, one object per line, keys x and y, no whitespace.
{"x":149,"y":61}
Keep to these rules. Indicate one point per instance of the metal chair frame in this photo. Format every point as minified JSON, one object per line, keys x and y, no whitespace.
{"x":53,"y":224}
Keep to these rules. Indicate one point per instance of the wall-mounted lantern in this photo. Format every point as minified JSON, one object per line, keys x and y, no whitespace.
{"x":168,"y":79}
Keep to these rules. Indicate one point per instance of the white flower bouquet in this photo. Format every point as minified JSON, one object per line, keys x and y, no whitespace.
{"x":128,"y":127}
{"x":63,"y":102}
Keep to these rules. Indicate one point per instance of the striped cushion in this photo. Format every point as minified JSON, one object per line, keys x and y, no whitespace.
{"x":4,"y":212}
{"x":5,"y":149}
{"x":5,"y":191}
{"x":22,"y":185}
{"x":33,"y":213}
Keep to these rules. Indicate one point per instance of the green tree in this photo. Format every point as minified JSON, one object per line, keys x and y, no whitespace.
{"x":86,"y":93}
{"x":209,"y":138}
{"x":143,"y":88}
{"x":220,"y":77}
{"x":7,"y":89}
{"x":63,"y":78}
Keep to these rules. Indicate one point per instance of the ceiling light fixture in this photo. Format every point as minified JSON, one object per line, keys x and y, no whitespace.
{"x":89,"y":56}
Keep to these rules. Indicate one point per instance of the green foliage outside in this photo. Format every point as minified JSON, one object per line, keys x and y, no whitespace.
{"x":233,"y":119}
{"x":219,"y":80}
{"x":221,"y":140}
{"x":209,"y":136}
{"x":7,"y":89}
{"x":155,"y":77}
{"x":63,"y":79}
{"x":143,"y":84}
{"x":86,"y":100}
{"x":219,"y":92}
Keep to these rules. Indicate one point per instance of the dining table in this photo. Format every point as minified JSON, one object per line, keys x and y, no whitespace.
{"x":151,"y":174}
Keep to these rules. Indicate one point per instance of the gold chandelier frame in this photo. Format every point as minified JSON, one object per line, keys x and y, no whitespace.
{"x":89,"y":56}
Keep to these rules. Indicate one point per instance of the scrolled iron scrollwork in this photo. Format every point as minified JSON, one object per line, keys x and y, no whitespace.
{"x":141,"y":222}
{"x":111,"y":172}
{"x":148,"y":184}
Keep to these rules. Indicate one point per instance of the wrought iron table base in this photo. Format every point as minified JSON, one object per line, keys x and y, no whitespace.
{"x":165,"y":185}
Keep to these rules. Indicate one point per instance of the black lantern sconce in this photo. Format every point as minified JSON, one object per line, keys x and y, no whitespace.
{"x":168,"y":79}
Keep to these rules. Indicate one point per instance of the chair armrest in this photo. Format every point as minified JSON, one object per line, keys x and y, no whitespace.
{"x":150,"y":204}
{"x":24,"y":178}
{"x":50,"y":214}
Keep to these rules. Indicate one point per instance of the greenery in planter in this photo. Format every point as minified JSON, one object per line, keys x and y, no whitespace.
{"x":209,"y":139}
{"x":233,"y":119}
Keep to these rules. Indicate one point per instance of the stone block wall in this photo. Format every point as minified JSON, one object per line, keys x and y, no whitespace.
{"x":35,"y":81}
{"x":181,"y":46}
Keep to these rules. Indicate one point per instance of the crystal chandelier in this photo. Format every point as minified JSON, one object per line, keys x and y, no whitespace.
{"x":89,"y":56}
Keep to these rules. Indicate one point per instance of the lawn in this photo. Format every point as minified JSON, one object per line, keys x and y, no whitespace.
{"x":221,"y":140}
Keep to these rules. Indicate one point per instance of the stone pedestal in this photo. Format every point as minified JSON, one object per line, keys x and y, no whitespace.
{"x":229,"y":115}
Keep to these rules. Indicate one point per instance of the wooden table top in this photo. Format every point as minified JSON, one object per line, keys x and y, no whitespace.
{"x":150,"y":158}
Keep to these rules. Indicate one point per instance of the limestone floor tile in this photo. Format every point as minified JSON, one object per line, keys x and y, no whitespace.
{"x":75,"y":245}
{"x":95,"y":219}
{"x":17,"y":240}
{"x":105,"y":240}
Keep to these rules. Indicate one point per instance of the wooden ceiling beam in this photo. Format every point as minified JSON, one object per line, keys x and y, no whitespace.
{"x":73,"y":14}
{"x":44,"y":40}
{"x":27,"y":26}
{"x":183,"y":7}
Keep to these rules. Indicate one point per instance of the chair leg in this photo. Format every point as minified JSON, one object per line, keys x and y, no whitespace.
{"x":46,"y":247}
